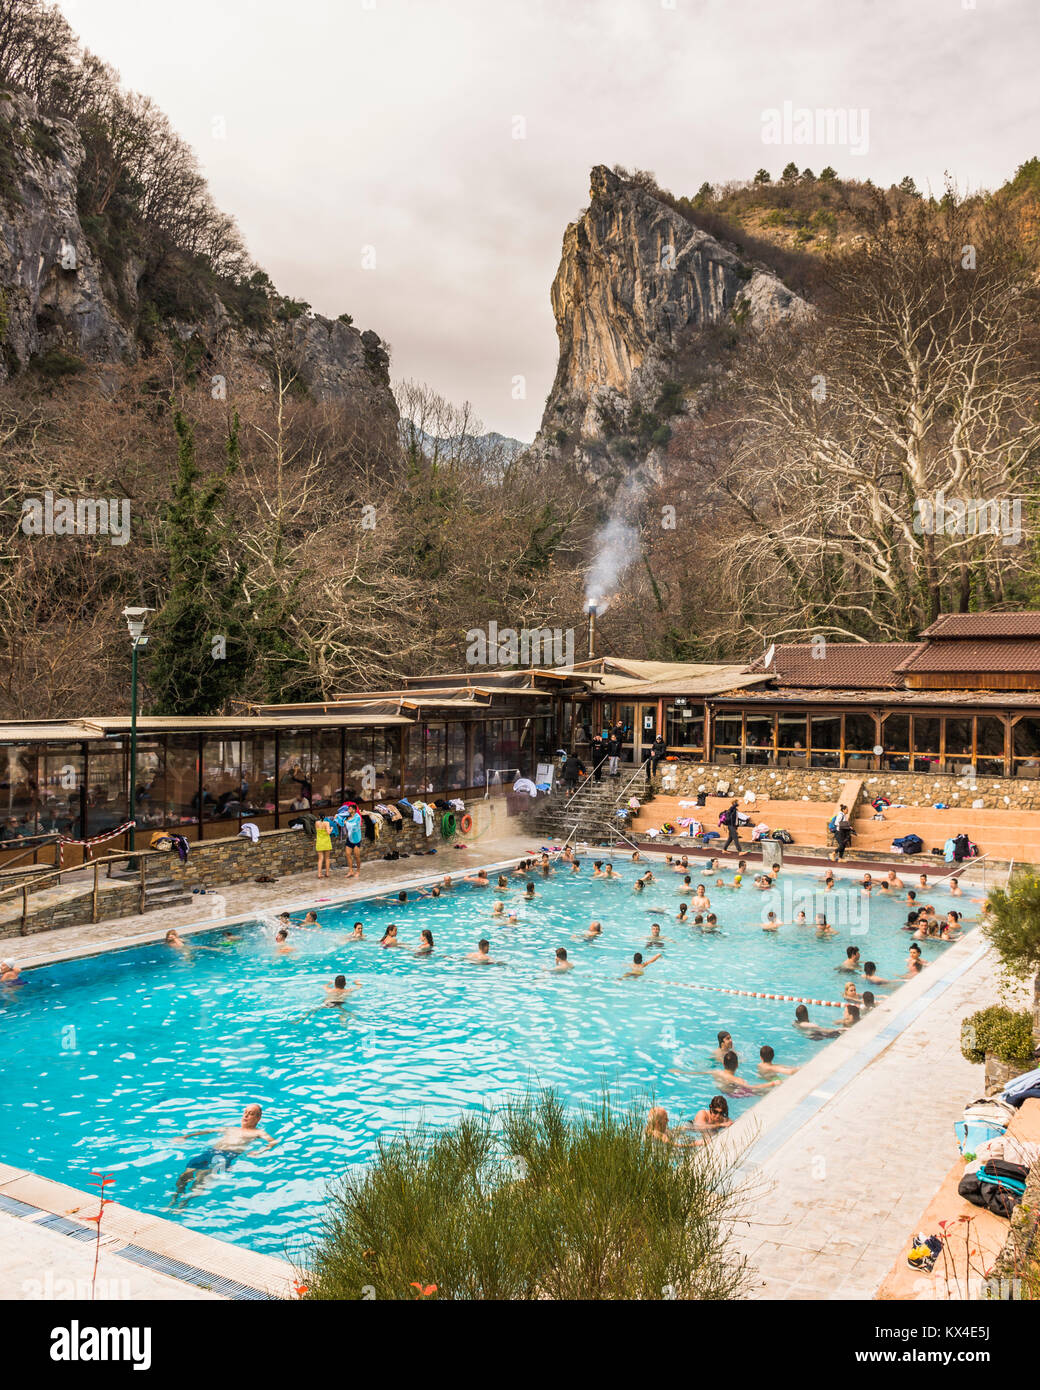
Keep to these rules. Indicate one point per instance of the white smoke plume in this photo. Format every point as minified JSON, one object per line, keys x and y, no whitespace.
{"x":616,"y":545}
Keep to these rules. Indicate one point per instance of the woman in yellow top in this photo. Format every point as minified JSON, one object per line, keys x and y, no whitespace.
{"x":323,"y":845}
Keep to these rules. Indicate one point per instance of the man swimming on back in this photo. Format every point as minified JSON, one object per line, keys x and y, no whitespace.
{"x":219,"y":1156}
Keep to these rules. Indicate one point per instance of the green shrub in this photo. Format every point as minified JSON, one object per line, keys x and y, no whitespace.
{"x":55,"y":365}
{"x":1012,"y":923}
{"x":527,"y":1203}
{"x":1006,"y":1033}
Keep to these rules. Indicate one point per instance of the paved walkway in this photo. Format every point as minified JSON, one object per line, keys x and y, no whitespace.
{"x":245,"y":901}
{"x":852,"y":1148}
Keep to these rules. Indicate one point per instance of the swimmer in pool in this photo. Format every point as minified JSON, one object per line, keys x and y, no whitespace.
{"x":700,"y":901}
{"x":562,"y":963}
{"x":358,"y":934}
{"x":683,"y":910}
{"x":482,"y":955}
{"x":771,"y":924}
{"x":813,"y":1030}
{"x":425,"y":946}
{"x":281,"y":943}
{"x":727,"y":1079}
{"x":219,"y":1156}
{"x":594,"y":932}
{"x":851,"y":961}
{"x":711,"y":924}
{"x":172,"y":939}
{"x":873,"y":978}
{"x":714,"y":1116}
{"x":336,"y":993}
{"x":956,"y":891}
{"x":657,"y":1129}
{"x":389,"y":937}
{"x":480,"y":879}
{"x":11,"y":975}
{"x":767,"y":1066}
{"x":656,"y":939}
{"x":499,"y":910}
{"x":638,"y":966}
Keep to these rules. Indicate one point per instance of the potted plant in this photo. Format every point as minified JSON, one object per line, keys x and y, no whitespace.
{"x":1003,"y":1039}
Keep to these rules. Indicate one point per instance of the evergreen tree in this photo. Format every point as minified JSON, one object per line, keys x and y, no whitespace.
{"x":199,"y":647}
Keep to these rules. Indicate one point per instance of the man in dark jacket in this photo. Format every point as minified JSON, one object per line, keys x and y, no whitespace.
{"x":599,"y":757}
{"x":571,"y":770}
{"x":729,"y":820}
{"x":658,"y":751}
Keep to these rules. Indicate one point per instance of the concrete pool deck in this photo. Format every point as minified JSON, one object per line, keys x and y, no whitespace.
{"x":840,"y":1168}
{"x":845,"y":1156}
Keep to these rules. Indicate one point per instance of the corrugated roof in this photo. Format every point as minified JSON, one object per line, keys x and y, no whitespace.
{"x":974,"y":654}
{"x":711,"y":681}
{"x":837,"y":665}
{"x":97,"y":727}
{"x":980,"y":625}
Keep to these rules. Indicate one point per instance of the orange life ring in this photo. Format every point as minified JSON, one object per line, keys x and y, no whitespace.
{"x":466,"y":823}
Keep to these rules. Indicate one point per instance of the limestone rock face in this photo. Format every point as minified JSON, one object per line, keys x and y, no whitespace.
{"x":636,"y":283}
{"x":57,"y":295}
{"x":45,"y":304}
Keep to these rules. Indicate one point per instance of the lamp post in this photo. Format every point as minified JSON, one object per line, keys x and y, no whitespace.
{"x":135,"y":620}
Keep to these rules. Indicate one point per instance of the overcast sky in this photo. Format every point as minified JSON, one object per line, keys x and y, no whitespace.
{"x":330,"y":126}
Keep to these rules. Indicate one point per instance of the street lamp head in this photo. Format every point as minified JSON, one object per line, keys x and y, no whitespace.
{"x":135,"y":620}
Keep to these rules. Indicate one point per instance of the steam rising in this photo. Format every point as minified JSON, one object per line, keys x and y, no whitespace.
{"x":616,"y":545}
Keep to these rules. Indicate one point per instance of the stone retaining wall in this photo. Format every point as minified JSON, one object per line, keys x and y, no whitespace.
{"x":235,"y":859}
{"x":824,"y":784}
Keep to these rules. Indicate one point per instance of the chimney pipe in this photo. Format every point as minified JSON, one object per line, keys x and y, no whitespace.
{"x":592,"y":631}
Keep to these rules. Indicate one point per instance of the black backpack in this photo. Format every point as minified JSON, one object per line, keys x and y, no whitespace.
{"x":784,"y":836}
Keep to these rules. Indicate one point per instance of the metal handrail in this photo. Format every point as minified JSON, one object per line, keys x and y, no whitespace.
{"x":961,"y":868}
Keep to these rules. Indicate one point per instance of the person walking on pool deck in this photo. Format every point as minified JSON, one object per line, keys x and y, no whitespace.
{"x":729,"y":820}
{"x":842,"y":832}
{"x":219,"y":1156}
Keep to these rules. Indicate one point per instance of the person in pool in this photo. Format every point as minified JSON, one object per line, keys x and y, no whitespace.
{"x":337,"y":992}
{"x":728,"y":1079}
{"x":482,"y":955}
{"x":562,"y":963}
{"x":11,"y":975}
{"x":725,"y":1041}
{"x":869,"y":1002}
{"x":815,"y":1031}
{"x":683,"y":910}
{"x":656,"y":939}
{"x":219,"y":1156}
{"x":851,"y":961}
{"x":767,"y":1066}
{"x":358,"y":934}
{"x":389,"y":937}
{"x":528,"y":892}
{"x":480,"y":879}
{"x":701,"y":902}
{"x":657,"y":1130}
{"x":172,"y":939}
{"x":638,"y":966}
{"x":281,"y":943}
{"x":714,"y":1116}
{"x":873,"y":978}
{"x":771,"y":924}
{"x":594,"y":932}
{"x":425,"y":946}
{"x":711,"y":923}
{"x":502,"y":884}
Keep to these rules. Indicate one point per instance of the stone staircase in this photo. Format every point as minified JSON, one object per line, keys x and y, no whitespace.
{"x":587,"y":814}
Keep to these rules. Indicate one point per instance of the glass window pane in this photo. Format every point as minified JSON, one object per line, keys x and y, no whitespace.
{"x":727,"y":730}
{"x":958,"y":737}
{"x":181,"y":789}
{"x":1027,"y":738}
{"x":825,"y":731}
{"x":295,"y":785}
{"x":257,"y":788}
{"x":326,"y":776}
{"x":18,"y":795}
{"x":926,"y":734}
{"x":792,"y":732}
{"x":860,"y":733}
{"x":455,"y":778}
{"x":990,"y":734}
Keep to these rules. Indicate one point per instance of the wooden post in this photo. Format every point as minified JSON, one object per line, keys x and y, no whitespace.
{"x":140,"y":866}
{"x":25,"y":906}
{"x":94,"y":903}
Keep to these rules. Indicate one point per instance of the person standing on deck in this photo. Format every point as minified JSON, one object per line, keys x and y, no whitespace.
{"x":729,"y":820}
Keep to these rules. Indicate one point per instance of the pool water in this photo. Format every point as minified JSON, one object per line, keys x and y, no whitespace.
{"x":108,"y":1061}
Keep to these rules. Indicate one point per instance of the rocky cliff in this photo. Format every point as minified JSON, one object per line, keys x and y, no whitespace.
{"x":638,"y":295}
{"x":67,"y":292}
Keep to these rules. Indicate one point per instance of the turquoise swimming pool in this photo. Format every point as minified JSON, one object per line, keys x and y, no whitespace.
{"x":108,"y":1060}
